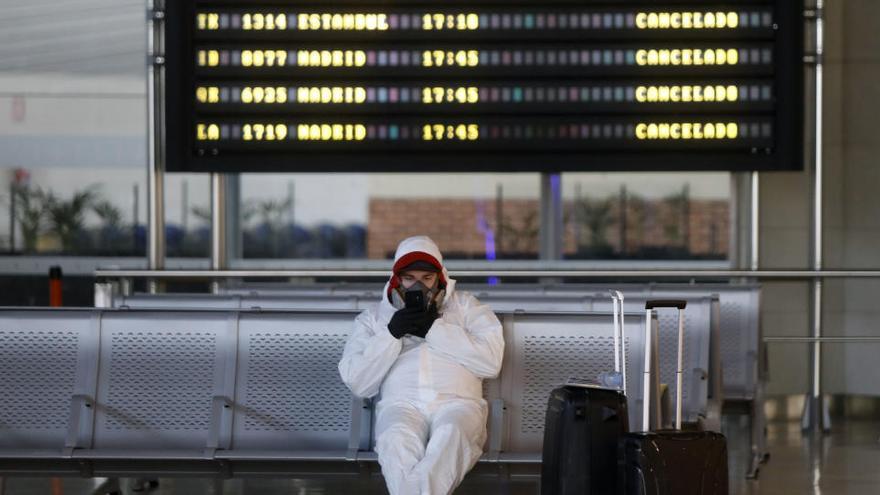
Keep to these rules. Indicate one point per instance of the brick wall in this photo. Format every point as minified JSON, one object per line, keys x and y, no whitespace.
{"x":458,"y":226}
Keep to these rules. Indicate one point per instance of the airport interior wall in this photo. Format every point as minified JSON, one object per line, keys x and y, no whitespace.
{"x":851,"y":154}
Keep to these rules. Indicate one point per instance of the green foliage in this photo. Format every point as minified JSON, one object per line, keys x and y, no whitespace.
{"x":520,"y":237}
{"x":203,"y":213}
{"x":271,"y":212}
{"x":595,"y":216}
{"x":67,"y":217}
{"x":674,"y":228}
{"x":108,"y":213}
{"x":30,"y":214}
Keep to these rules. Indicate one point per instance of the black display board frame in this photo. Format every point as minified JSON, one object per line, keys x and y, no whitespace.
{"x":185,"y":154}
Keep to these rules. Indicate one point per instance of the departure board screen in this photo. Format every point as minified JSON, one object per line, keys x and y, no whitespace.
{"x":491,"y":85}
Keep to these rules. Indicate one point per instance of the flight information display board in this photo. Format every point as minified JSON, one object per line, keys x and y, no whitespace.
{"x":491,"y":85}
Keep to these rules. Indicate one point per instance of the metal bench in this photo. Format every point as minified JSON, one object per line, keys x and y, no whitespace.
{"x":736,"y":336}
{"x":122,"y":392}
{"x":701,"y":325}
{"x":739,"y":310}
{"x":739,"y":328}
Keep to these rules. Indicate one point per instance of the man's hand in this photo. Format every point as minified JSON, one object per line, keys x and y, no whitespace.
{"x":413,"y":321}
{"x":426,"y":323}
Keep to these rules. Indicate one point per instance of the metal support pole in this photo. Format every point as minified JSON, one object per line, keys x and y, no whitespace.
{"x":219,"y":251}
{"x":105,"y":292}
{"x":155,"y":140}
{"x":816,"y":417}
{"x":233,"y":218}
{"x":232,"y":199}
{"x":12,"y":200}
{"x":550,"y":230}
{"x":758,"y":420}
{"x":744,"y":221}
{"x":622,"y":220}
{"x":755,"y":221}
{"x":126,"y":286}
{"x":646,"y":375}
{"x":499,"y":220}
{"x":184,"y":207}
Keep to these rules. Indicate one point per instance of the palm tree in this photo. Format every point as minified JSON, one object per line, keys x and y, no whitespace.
{"x":676,"y":226}
{"x":521,"y":237}
{"x":111,"y":238}
{"x":108,"y":213}
{"x":66,"y":217}
{"x":271,"y":213}
{"x":596,"y":217}
{"x":30,"y":213}
{"x":203,"y":213}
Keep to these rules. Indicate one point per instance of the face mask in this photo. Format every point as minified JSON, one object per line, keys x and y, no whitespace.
{"x":426,"y":292}
{"x":430,"y":296}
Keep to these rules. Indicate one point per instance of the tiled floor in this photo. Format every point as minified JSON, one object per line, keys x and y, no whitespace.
{"x":845,"y":462}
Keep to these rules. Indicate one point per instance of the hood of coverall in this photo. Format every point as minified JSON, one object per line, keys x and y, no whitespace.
{"x":414,"y":249}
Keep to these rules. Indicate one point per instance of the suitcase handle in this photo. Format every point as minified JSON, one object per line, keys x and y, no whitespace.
{"x":650,"y":306}
{"x":619,"y":340}
{"x":665,"y":303}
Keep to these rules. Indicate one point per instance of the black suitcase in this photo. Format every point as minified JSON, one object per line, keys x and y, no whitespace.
{"x":582,"y":431}
{"x":673,"y":461}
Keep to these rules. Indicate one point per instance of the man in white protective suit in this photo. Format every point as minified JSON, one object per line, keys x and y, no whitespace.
{"x":426,"y":355}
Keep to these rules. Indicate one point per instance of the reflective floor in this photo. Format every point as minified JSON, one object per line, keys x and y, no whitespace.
{"x":845,"y":462}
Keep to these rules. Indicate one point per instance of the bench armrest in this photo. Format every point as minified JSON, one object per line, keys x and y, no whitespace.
{"x":221,"y":408}
{"x":496,"y":427}
{"x":361,"y":423}
{"x":78,"y":420}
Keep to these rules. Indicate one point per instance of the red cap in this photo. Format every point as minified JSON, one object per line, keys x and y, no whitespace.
{"x":408,"y":259}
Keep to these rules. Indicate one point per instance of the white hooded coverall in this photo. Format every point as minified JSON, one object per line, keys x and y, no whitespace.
{"x":431,"y":418}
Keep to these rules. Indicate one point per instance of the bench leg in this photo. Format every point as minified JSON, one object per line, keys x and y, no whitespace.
{"x":758,"y":423}
{"x":110,"y":486}
{"x":140,"y":485}
{"x":504,"y":475}
{"x":712,"y":422}
{"x":113,"y":486}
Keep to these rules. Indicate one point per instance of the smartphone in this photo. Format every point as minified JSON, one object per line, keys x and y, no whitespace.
{"x":414,"y":299}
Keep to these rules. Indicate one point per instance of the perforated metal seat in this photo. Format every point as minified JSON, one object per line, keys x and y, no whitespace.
{"x":700,"y":318}
{"x":41,"y":355}
{"x":158,"y":375}
{"x":288,"y":391}
{"x":739,"y":305}
{"x":129,"y":388}
{"x":544,"y":350}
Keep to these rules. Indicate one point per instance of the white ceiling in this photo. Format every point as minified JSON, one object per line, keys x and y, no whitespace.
{"x":82,"y":36}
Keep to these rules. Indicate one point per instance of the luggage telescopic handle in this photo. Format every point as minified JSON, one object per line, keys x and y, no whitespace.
{"x":665,"y":303}
{"x":650,"y":305}
{"x":619,"y":341}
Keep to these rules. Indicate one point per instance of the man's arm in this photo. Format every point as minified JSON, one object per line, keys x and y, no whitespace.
{"x":369,"y":354}
{"x":478,"y":346}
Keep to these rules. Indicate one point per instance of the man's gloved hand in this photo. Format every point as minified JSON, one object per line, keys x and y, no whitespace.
{"x":413,"y":321}
{"x":425,"y":324}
